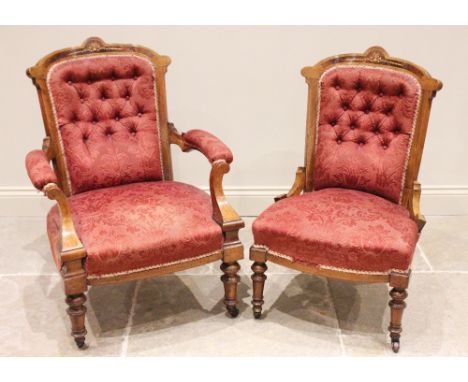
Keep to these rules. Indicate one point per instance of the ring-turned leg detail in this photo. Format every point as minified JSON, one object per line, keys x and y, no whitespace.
{"x":397,"y":305}
{"x":230,"y":280}
{"x":258,"y":280}
{"x":77,"y":311}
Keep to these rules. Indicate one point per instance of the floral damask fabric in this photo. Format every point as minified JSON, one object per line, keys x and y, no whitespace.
{"x":140,"y":225}
{"x":365,"y":126}
{"x":339,"y":228}
{"x":213,"y":148}
{"x":105,"y":108}
{"x":39,"y":170}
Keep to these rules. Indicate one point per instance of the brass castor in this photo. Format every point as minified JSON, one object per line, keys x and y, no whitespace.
{"x":233,"y":311}
{"x":80,"y":342}
{"x":395,"y":346}
{"x":257,"y":315}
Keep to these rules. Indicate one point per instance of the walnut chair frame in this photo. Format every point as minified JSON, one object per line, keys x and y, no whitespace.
{"x":373,"y":57}
{"x":71,"y":250}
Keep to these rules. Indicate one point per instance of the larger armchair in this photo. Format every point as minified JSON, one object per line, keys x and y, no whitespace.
{"x":353,"y":211}
{"x":119,"y":215}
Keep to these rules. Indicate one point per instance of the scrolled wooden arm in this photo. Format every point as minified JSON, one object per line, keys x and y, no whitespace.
{"x":415,"y":209}
{"x":223,"y":213}
{"x":71,"y":247}
{"x":297,"y":187}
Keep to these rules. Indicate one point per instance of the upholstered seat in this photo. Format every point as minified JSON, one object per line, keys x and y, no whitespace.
{"x":140,"y":226}
{"x":339,"y":229}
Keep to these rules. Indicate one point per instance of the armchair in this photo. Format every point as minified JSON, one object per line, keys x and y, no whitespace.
{"x":353,"y":211}
{"x":106,"y":161}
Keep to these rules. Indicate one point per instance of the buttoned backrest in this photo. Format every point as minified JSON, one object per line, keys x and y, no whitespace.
{"x":106,"y":119}
{"x":365,"y":124}
{"x":367,"y":119}
{"x":105,"y":114}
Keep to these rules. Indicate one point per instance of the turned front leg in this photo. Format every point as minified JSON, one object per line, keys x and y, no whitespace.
{"x":77,"y":311}
{"x":397,"y":305}
{"x":258,"y":280}
{"x":230,"y":280}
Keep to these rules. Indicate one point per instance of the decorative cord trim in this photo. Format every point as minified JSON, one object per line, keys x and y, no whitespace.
{"x":415,"y":117}
{"x":331,"y":268}
{"x":156,"y":96}
{"x":107,"y":275}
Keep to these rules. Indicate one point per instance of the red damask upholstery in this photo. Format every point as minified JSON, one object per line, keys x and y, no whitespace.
{"x":365,"y":125}
{"x":209,"y":145}
{"x":107,"y":120}
{"x":140,"y":226}
{"x":339,"y":228}
{"x":39,"y":171}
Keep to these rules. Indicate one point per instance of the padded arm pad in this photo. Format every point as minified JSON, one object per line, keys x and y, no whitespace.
{"x":208,"y":145}
{"x":39,"y":170}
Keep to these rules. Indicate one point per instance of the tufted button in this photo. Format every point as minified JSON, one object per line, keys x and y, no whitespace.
{"x":339,"y":140}
{"x":89,"y":82}
{"x":397,"y":130}
{"x":367,"y":110}
{"x":385,"y":146}
{"x":117,"y":117}
{"x":135,"y":77}
{"x":69,"y":82}
{"x":381,"y":94}
{"x":352,"y":126}
{"x":82,"y":100}
{"x":127,"y":97}
{"x":139,"y":115}
{"x":109,"y":132}
{"x":401,"y":90}
{"x":345,"y":106}
{"x":361,"y":142}
{"x":85,"y":137}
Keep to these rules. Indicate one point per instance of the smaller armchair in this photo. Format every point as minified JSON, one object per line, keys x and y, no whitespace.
{"x":106,"y":161}
{"x":353,"y":211}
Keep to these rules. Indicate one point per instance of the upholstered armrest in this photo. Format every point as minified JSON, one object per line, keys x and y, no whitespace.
{"x":208,"y":145}
{"x":220,"y":157}
{"x":297,"y":187}
{"x":39,"y":170}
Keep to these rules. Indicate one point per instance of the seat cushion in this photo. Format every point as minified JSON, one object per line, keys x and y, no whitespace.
{"x":339,"y":229}
{"x":140,"y":226}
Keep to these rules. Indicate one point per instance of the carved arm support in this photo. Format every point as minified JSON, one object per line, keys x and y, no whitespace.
{"x":43,"y":178}
{"x":415,"y":209}
{"x":298,"y":186}
{"x":220,"y":156}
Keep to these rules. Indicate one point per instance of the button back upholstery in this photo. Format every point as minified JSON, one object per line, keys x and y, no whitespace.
{"x":107,"y":122}
{"x":365,"y":126}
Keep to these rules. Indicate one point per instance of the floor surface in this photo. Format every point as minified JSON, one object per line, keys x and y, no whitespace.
{"x":183,"y":314}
